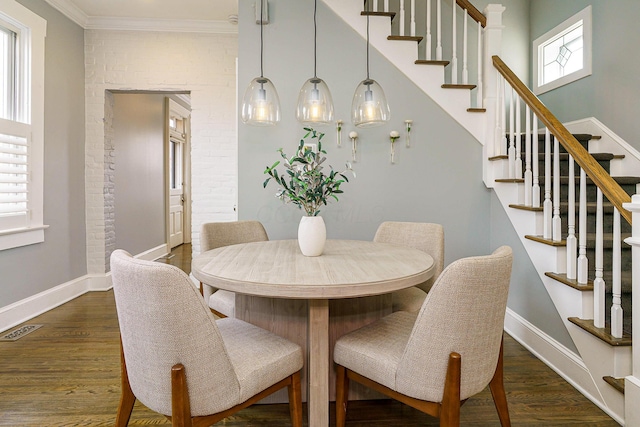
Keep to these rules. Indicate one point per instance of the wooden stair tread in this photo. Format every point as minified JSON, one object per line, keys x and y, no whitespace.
{"x":562,"y":278}
{"x":477,"y":110}
{"x":607,"y":207}
{"x":389,"y":14}
{"x":431,"y":62}
{"x":563,"y":156}
{"x":526,"y":208}
{"x":510,"y":180}
{"x":603,"y":333}
{"x":406,"y":38}
{"x":621,"y":180}
{"x":617,"y":383}
{"x":591,"y":237}
{"x":457,"y":86}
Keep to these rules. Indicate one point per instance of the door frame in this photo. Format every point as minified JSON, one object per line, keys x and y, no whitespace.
{"x":174,"y":109}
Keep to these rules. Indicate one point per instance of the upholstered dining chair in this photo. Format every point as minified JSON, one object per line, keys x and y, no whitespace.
{"x":436,"y":359}
{"x":424,"y":236}
{"x":215,"y":235}
{"x":179,"y":361}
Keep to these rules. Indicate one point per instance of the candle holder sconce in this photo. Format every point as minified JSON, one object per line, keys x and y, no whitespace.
{"x":353,"y":135}
{"x":393,"y":136}
{"x":339,"y":133}
{"x":407,"y":126}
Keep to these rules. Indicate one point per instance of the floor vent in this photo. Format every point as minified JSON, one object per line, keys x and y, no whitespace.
{"x":16,"y":334}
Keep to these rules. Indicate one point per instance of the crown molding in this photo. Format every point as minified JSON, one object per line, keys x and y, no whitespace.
{"x":70,"y":10}
{"x":164,"y":25}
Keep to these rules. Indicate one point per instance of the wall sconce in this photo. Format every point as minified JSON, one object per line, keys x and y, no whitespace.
{"x":339,"y":133}
{"x":353,"y":135}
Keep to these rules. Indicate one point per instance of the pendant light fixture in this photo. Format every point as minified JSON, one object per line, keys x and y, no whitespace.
{"x":315,"y":105}
{"x":369,"y":107}
{"x":261,"y":105}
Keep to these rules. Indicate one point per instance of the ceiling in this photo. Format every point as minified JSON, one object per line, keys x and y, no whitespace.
{"x":127,"y":14}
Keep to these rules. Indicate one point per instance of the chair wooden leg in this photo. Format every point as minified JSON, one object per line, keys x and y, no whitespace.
{"x":201,"y":289}
{"x":127,"y":398}
{"x":180,"y":406}
{"x":295,"y":400}
{"x":450,"y":413}
{"x":497,"y":390}
{"x":342,"y":395}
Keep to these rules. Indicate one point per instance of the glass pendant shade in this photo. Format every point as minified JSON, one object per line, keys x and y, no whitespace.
{"x":369,"y":107}
{"x":261,"y":105}
{"x":315,"y":105}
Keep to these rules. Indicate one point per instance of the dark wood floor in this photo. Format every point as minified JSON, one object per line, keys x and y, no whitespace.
{"x":67,"y":374}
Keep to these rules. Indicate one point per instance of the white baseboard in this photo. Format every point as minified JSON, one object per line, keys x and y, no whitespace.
{"x":553,"y":354}
{"x":28,"y":308}
{"x":154,"y":253}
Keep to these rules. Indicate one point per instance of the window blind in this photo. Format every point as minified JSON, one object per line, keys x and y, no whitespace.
{"x":14,"y":181}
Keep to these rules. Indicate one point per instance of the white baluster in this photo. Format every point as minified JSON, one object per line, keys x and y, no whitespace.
{"x":428,"y":35}
{"x":503,"y":119}
{"x":439,"y":30}
{"x":465,"y":36}
{"x":454,"y":42}
{"x":413,"y":18}
{"x":528,"y":174}
{"x":598,"y":283}
{"x":499,"y":133}
{"x":583,"y":262}
{"x":557,"y":223}
{"x":386,"y":5}
{"x":480,"y":90}
{"x":375,"y":5}
{"x":402,"y":21}
{"x":536,"y":165}
{"x":512,"y":137}
{"x":572,"y":244}
{"x":547,"y":204}
{"x":518,"y":140}
{"x":616,"y":308}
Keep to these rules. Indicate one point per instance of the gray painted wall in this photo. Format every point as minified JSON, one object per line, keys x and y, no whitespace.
{"x":438,"y":179}
{"x":610,"y":93}
{"x":138,"y":129}
{"x":32,"y":269}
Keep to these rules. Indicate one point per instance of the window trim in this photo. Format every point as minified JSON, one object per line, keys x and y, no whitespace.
{"x":585,"y":16}
{"x":30,"y":108}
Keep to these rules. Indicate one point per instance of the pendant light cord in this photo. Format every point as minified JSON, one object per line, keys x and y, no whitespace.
{"x":315,"y":38}
{"x":261,"y":42}
{"x":367,"y":39}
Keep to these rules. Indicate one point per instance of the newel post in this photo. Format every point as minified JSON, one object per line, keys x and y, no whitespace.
{"x":492,"y":46}
{"x":632,"y":382}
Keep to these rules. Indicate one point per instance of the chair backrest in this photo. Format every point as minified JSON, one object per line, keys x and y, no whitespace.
{"x":164,"y":321}
{"x":217,"y":234}
{"x":463,"y":313}
{"x":424,"y":236}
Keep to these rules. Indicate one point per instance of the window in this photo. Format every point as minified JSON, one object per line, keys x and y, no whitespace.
{"x":22,"y":36}
{"x":563,"y":55}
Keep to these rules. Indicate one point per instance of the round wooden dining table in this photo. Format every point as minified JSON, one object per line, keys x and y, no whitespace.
{"x":347,"y":269}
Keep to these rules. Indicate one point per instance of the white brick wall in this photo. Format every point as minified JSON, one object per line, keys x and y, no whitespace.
{"x":203,"y":64}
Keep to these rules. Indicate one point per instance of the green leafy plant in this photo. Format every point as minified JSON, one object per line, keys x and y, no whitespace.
{"x":303,"y":182}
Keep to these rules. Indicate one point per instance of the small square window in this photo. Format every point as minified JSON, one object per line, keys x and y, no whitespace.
{"x":563,"y":54}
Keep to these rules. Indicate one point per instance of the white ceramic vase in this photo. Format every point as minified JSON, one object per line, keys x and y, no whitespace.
{"x":312,"y":235}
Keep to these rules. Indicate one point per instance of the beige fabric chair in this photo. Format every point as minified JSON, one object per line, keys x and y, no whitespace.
{"x":215,"y":235}
{"x":418,"y":235}
{"x":436,"y":359}
{"x":179,"y":361}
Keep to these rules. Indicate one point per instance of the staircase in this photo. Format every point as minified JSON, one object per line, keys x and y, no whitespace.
{"x":584,"y":281}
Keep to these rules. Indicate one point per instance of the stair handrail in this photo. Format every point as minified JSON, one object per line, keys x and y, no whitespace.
{"x":473,"y":12}
{"x":610,"y":188}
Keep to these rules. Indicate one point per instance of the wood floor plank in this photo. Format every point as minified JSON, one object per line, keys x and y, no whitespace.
{"x":67,"y":374}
